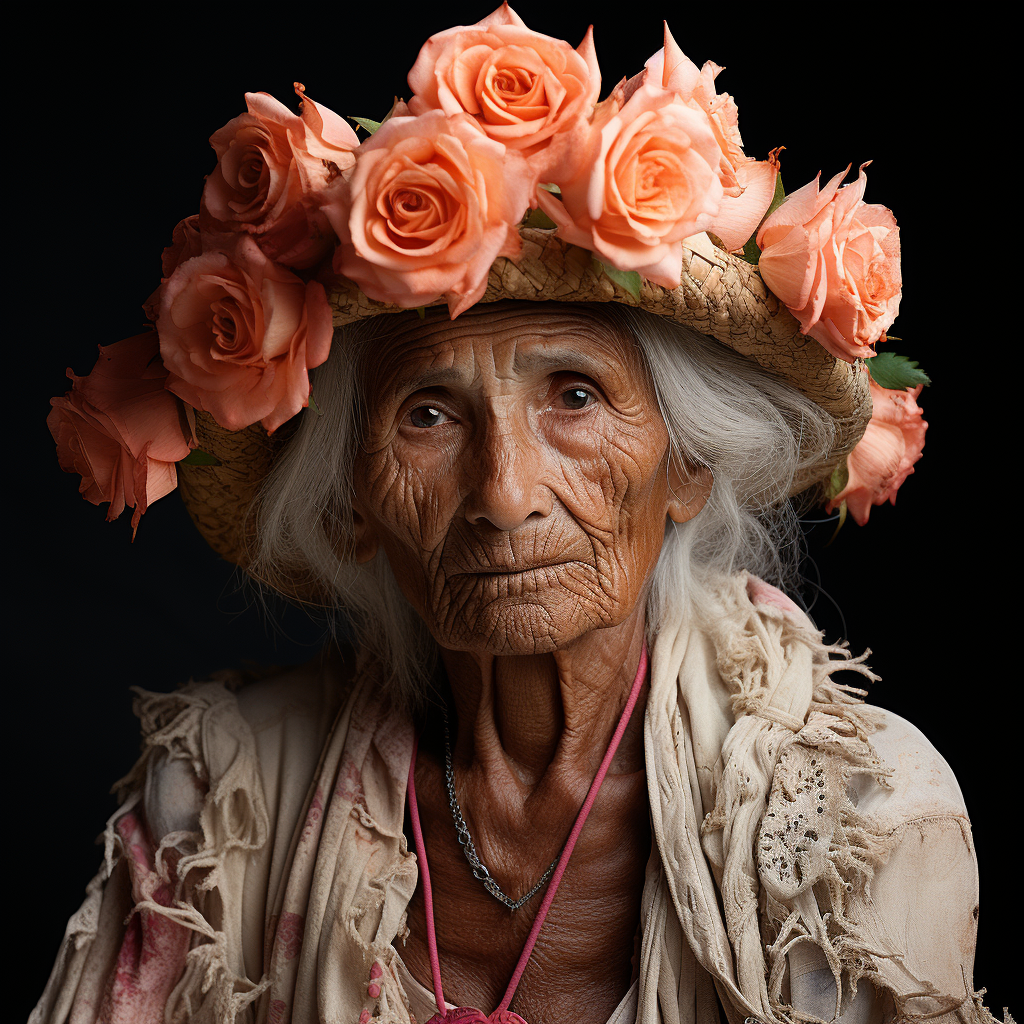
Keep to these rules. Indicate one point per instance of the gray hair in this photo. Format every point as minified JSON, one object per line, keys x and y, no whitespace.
{"x":753,"y":431}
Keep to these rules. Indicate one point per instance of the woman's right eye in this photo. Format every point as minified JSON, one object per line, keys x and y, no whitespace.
{"x":427,"y":416}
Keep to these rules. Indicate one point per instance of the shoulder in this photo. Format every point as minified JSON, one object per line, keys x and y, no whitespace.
{"x":259,"y":734}
{"x":922,"y":902}
{"x":310,"y":691}
{"x":922,"y":783}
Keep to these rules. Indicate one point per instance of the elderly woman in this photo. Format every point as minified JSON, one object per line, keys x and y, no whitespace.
{"x":580,"y":762}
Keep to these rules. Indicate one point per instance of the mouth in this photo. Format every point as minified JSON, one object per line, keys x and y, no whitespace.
{"x":518,"y":570}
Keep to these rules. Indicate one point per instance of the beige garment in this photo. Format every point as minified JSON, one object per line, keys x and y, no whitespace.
{"x":279,"y":887}
{"x":423,"y":1005}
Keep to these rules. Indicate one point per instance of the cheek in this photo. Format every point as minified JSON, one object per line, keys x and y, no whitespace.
{"x":619,"y":494}
{"x":409,"y":508}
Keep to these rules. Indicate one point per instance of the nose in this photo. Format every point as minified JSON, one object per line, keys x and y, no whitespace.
{"x":505,"y":475}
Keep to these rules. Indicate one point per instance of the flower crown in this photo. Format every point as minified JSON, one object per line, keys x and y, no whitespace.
{"x":504,"y":128}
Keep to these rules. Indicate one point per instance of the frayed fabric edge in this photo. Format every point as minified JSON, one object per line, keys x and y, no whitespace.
{"x":233,"y":816}
{"x":831,"y":727}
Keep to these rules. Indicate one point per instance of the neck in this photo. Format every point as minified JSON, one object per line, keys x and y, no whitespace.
{"x":528,"y":714}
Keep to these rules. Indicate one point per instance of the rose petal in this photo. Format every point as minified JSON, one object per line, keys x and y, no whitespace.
{"x":738,"y":216}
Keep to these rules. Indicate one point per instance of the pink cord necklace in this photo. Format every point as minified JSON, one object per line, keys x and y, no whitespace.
{"x":503,"y":1015}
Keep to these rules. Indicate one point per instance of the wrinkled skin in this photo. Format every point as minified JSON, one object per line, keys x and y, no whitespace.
{"x":518,"y":485}
{"x":517,"y":474}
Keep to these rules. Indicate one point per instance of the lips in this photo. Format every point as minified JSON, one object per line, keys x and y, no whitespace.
{"x":515,"y":570}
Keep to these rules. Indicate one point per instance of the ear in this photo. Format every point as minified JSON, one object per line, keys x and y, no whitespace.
{"x":689,"y":488}
{"x":364,"y":536}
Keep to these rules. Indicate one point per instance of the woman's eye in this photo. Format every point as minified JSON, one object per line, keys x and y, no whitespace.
{"x":576,"y":398}
{"x":427,"y":416}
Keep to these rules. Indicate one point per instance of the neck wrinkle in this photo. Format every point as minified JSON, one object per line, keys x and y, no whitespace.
{"x":531,"y":715}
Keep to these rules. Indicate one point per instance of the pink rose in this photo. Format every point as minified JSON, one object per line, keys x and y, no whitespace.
{"x":649,"y":179}
{"x":434,"y":202}
{"x":238,"y":334}
{"x":748,"y":185}
{"x":834,"y":260}
{"x":120,"y":429}
{"x":885,"y":456}
{"x":272,"y":166}
{"x":528,"y":91}
{"x":186,"y":242}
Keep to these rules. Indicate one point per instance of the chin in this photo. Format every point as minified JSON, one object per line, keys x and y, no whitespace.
{"x":509,"y":624}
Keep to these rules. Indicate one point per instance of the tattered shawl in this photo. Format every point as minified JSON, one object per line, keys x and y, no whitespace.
{"x":804,"y":843}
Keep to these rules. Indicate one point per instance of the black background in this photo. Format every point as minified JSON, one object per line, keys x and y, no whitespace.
{"x":110,"y":152}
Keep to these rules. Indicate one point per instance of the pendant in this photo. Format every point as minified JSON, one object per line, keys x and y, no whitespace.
{"x":471,"y":1015}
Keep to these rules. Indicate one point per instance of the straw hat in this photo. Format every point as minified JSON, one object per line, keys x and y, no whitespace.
{"x":288,"y":186}
{"x":720,"y":295}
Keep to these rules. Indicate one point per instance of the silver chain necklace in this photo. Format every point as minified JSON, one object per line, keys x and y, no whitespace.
{"x":466,"y":840}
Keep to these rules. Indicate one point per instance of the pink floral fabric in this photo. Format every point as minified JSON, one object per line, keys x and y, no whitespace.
{"x":152,"y":955}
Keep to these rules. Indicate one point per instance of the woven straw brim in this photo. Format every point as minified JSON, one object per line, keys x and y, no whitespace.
{"x":719,"y":295}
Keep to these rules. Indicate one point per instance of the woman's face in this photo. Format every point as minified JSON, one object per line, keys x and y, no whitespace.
{"x":516,"y":473}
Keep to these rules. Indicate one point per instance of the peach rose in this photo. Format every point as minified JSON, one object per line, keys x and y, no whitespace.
{"x":120,"y":429}
{"x":271,"y":167}
{"x":186,"y":242}
{"x":528,"y":91}
{"x":748,"y":185}
{"x":431,"y":204}
{"x":834,"y":260}
{"x":885,"y":456}
{"x":238,"y":334}
{"x":649,"y":180}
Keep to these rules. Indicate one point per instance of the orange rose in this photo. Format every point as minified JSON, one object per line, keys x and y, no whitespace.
{"x":120,"y":429}
{"x":186,"y":242}
{"x":272,"y":166}
{"x":834,"y":260}
{"x":885,"y":456}
{"x":431,"y":204}
{"x":528,"y":91}
{"x":238,"y":334}
{"x":649,"y":180}
{"x":748,"y":185}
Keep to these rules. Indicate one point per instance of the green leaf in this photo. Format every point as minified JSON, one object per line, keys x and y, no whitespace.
{"x":897,"y":373}
{"x":777,"y":200}
{"x":365,"y":122}
{"x":751,"y":253}
{"x":839,"y":479}
{"x":628,"y":280}
{"x":313,"y":406}
{"x":839,"y":525}
{"x":197,"y":457}
{"x":551,"y":188}
{"x":422,"y":310}
{"x":538,"y":219}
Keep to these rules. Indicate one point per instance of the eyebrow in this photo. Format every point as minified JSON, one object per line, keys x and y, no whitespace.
{"x":540,"y":360}
{"x":535,"y":361}
{"x":555,"y":352}
{"x":433,"y":377}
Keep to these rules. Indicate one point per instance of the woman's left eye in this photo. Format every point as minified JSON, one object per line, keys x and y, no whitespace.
{"x":576,"y":398}
{"x":427,"y":416}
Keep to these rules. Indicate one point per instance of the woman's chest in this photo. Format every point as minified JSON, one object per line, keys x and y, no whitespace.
{"x":583,"y":964}
{"x":422,"y":1005}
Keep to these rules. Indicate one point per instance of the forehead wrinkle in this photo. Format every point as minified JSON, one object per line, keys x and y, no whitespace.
{"x":492,"y":354}
{"x":408,"y":367}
